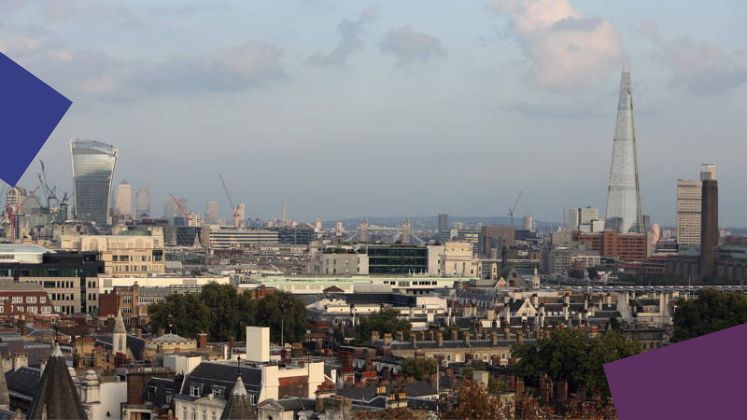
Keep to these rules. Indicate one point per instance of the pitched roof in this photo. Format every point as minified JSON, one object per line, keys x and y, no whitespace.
{"x":56,"y":396}
{"x":239,"y":406}
{"x":119,"y":327}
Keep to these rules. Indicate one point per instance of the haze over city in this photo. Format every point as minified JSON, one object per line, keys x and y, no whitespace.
{"x":348,"y":109}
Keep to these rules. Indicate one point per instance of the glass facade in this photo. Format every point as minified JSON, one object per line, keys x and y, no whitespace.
{"x":93,"y":166}
{"x":624,"y":193}
{"x":397,"y":259}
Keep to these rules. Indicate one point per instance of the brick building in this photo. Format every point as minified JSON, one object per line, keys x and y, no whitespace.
{"x":626,"y":246}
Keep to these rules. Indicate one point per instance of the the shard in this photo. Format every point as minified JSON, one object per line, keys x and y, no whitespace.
{"x":624,"y":193}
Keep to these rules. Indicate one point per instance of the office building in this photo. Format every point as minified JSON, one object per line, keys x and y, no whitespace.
{"x":397,"y":259}
{"x":298,"y":235}
{"x":142,"y":203}
{"x":228,"y":238}
{"x":122,"y":255}
{"x":709,"y":221}
{"x":124,"y":199}
{"x":688,"y":212}
{"x":444,"y":229}
{"x":93,"y":167}
{"x":528,"y":223}
{"x":213,"y":213}
{"x":584,"y":219}
{"x":625,"y":246}
{"x":624,"y":194}
{"x":495,"y":237}
{"x":363,"y":231}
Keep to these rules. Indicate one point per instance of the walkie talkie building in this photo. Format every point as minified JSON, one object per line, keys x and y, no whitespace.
{"x":624,"y":193}
{"x":93,"y":167}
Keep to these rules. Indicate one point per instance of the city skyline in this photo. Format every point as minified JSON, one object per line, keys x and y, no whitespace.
{"x":470,"y":97}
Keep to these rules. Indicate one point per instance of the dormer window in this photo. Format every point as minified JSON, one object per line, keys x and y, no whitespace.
{"x":195,"y":390}
{"x":219,"y":391}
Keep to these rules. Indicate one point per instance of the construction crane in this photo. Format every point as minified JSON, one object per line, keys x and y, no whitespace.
{"x":234,"y":209}
{"x":182,"y":209}
{"x":50,"y":194}
{"x":513,"y":208}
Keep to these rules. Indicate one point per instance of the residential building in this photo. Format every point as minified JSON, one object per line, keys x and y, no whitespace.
{"x":626,"y":246}
{"x":26,"y":300}
{"x":562,"y":259}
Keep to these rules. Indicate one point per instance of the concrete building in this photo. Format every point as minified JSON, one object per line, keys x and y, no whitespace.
{"x":93,"y":167}
{"x":415,"y":285}
{"x":122,"y":255}
{"x":528,"y":223}
{"x":212,"y":214}
{"x":236,"y":238}
{"x":562,"y":259}
{"x":688,"y":212}
{"x":494,"y":237}
{"x":584,"y":219}
{"x":124,"y":199}
{"x":142,"y":203}
{"x":458,"y":259}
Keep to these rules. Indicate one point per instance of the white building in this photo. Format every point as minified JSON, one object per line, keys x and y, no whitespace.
{"x":22,"y":254}
{"x":124,"y":199}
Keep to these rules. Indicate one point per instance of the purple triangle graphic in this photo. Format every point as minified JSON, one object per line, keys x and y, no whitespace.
{"x":29,"y":112}
{"x":701,"y":378}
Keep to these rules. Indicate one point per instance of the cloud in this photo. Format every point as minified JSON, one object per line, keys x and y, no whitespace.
{"x":566,"y":50}
{"x":248,"y":65}
{"x":702,"y":68}
{"x":97,"y":74}
{"x":350,"y":31}
{"x":410,"y":45}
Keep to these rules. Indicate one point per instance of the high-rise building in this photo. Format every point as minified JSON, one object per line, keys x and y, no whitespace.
{"x":283,"y":213}
{"x":584,"y":219}
{"x":239,"y":216}
{"x":124,"y":199}
{"x":142,"y":202}
{"x":363,"y":231}
{"x":688,"y":212}
{"x":708,"y":221}
{"x":93,"y":167}
{"x":444,"y":230}
{"x":528,"y":223}
{"x":213,"y":213}
{"x":624,"y":194}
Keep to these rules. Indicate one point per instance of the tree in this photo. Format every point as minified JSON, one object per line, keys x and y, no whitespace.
{"x":419,"y":367}
{"x":710,"y":312}
{"x":283,"y":313}
{"x":569,"y":354}
{"x":470,"y":400}
{"x":385,"y":321}
{"x":223,"y":313}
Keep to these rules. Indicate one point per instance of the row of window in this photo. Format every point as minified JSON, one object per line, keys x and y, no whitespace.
{"x":126,"y":268}
{"x":126,"y":258}
{"x":46,"y":310}
{"x":20,"y":299}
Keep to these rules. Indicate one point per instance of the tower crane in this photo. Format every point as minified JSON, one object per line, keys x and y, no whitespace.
{"x":513,"y":208}
{"x":182,"y":209}
{"x":234,"y":209}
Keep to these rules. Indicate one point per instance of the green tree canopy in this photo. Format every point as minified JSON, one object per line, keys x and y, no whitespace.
{"x":223,"y":313}
{"x":571,"y":355}
{"x":385,"y":321}
{"x":710,"y":312}
{"x":418,"y":367}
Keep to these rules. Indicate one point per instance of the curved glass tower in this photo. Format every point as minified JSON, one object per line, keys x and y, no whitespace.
{"x":93,"y":166}
{"x":624,"y":192}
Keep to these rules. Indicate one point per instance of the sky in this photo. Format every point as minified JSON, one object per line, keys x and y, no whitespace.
{"x":391,"y":108}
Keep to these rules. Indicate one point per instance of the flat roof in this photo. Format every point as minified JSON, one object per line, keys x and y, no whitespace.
{"x":23,"y":249}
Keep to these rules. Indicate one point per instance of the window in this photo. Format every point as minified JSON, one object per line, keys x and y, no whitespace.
{"x":17,"y":299}
{"x":218,"y":391}
{"x":32,"y":309}
{"x":30,"y":299}
{"x":194,"y":390}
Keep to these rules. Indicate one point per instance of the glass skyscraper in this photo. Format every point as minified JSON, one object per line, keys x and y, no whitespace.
{"x":624,"y":192}
{"x":93,"y":166}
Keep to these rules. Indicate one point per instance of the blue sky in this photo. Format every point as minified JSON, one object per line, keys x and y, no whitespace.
{"x":350,"y":108}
